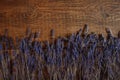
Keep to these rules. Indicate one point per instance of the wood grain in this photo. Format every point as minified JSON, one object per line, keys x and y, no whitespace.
{"x":65,"y":16}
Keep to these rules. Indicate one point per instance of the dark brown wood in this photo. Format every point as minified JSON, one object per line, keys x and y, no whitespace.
{"x":65,"y":16}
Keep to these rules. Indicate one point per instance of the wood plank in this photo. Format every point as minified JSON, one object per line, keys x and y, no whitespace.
{"x":65,"y":16}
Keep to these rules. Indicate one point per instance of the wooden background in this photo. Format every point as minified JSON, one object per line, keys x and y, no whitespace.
{"x":65,"y":16}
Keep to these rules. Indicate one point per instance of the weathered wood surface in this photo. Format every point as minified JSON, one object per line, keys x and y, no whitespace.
{"x":65,"y":16}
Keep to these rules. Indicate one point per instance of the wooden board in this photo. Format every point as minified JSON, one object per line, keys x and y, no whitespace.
{"x":65,"y":16}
